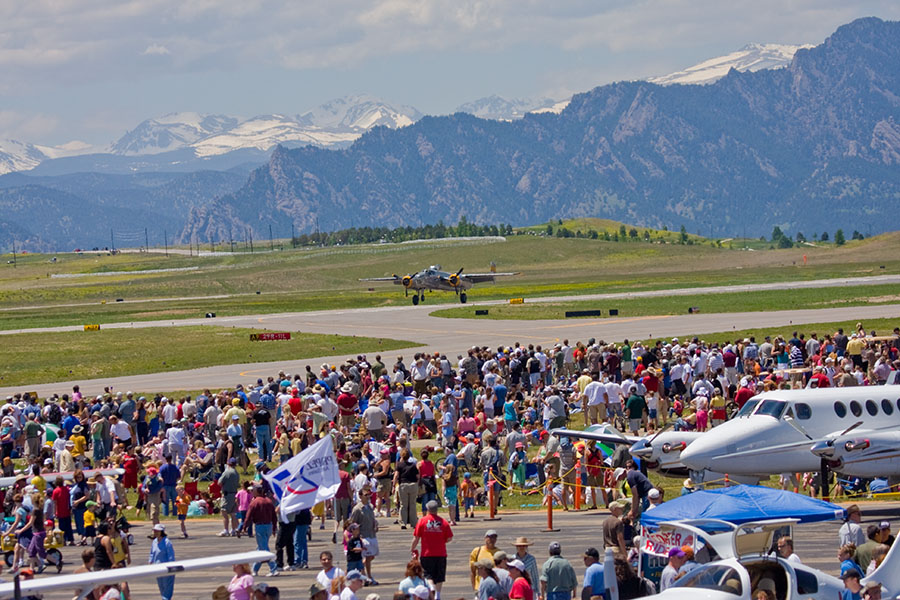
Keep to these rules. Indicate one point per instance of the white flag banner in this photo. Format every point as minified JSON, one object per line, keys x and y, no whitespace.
{"x":307,"y":479}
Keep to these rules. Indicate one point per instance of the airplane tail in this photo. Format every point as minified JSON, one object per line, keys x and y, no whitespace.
{"x":888,"y":572}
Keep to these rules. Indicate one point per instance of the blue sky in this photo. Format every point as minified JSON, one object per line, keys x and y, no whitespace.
{"x":91,"y":69}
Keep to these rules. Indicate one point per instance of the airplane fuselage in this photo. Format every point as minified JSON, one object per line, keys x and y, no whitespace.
{"x":760,"y":441}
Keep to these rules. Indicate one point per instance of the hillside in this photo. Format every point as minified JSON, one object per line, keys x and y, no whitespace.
{"x":811,"y":147}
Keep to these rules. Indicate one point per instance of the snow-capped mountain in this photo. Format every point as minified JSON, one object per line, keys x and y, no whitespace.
{"x":500,"y":109}
{"x":171,"y":132}
{"x":335,"y":123}
{"x":18,"y":156}
{"x":358,"y":113}
{"x":752,"y":57}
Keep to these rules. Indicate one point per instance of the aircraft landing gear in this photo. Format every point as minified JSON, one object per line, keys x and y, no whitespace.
{"x":416,"y":300}
{"x":463,"y":298}
{"x":419,"y":297}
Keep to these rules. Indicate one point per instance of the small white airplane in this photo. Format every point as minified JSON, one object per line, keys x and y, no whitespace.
{"x":773,"y":432}
{"x":66,"y":475}
{"x":84,"y":583}
{"x":743,"y":559}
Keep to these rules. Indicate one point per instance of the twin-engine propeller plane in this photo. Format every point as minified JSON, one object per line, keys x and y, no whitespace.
{"x":433,"y":278}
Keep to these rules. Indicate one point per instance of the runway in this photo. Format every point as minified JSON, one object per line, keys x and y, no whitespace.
{"x":434,"y":334}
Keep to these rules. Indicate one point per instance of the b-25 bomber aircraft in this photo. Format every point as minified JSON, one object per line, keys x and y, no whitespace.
{"x":433,"y":278}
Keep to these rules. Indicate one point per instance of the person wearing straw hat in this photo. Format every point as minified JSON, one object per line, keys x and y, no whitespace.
{"x":528,"y":559}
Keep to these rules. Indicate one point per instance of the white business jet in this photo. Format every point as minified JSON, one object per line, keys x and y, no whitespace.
{"x":773,"y":432}
{"x":81,"y":584}
{"x":744,"y":564}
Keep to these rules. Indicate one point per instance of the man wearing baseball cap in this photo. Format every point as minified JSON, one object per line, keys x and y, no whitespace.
{"x":486,"y":551}
{"x":676,"y":560}
{"x":434,"y":532}
{"x":558,"y":580}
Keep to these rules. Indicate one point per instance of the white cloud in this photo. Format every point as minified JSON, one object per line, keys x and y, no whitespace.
{"x":155,"y":49}
{"x":24,"y":126}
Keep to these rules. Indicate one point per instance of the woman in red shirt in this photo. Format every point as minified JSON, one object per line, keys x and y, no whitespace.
{"x":521,"y":587}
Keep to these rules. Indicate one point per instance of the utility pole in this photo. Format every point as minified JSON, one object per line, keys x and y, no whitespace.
{"x":250,"y":236}
{"x":293,"y":239}
{"x":317,"y":231}
{"x":14,"y":254}
{"x":231,"y":240}
{"x":112,"y":241}
{"x":271,"y":243}
{"x":146,"y":240}
{"x":166,"y":241}
{"x":191,"y":247}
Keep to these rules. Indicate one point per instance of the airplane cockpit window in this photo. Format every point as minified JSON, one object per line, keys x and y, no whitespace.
{"x":751,"y":404}
{"x":804,"y":412}
{"x":771,"y":408}
{"x":871,"y":407}
{"x":713,"y":577}
{"x":887,"y":407}
{"x":840,"y":410}
{"x":855,"y":408}
{"x":806,"y":582}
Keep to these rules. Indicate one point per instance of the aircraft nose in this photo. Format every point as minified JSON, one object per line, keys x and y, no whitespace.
{"x":641,"y":449}
{"x":698,"y":454}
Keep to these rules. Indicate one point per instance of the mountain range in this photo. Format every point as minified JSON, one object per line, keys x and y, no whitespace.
{"x":189,"y":141}
{"x":810,"y":147}
{"x":771,"y":130}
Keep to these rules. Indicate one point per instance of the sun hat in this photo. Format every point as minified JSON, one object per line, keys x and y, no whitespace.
{"x":522,"y":541}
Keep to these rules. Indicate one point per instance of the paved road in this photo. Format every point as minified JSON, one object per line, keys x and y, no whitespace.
{"x":815,"y":543}
{"x":451,"y":336}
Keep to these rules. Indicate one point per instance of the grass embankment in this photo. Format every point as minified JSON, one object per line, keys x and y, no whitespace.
{"x":300,"y":280}
{"x":49,"y":357}
{"x":761,"y":301}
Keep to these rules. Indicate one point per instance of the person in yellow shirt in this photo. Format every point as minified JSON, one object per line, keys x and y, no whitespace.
{"x":90,"y":523}
{"x":481,"y":552}
{"x":297,"y":442}
{"x":182,"y":503}
{"x":80,"y":442}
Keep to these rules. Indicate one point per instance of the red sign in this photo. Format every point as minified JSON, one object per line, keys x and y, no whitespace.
{"x":268,"y":337}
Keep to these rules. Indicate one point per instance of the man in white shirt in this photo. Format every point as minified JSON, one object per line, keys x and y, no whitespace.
{"x":851,"y":531}
{"x":169,"y":411}
{"x":595,"y":392}
{"x":175,"y":439}
{"x":329,"y":571}
{"x":785,"y":547}
{"x":613,"y":398}
{"x":375,"y":420}
{"x":211,"y":418}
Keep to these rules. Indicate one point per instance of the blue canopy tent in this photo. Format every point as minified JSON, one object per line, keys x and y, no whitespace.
{"x":741,"y":504}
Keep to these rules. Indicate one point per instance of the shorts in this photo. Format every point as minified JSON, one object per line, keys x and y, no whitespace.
{"x":653,"y":414}
{"x":569,"y":476}
{"x":595,"y":480}
{"x":182,"y":517}
{"x":469,"y":503}
{"x":435,"y":568}
{"x":355,"y":564}
{"x":634,"y":424}
{"x":229,"y":503}
{"x":371,"y":548}
{"x":384,"y":486}
{"x":90,"y":531}
{"x":341,"y":509}
{"x":451,"y":495}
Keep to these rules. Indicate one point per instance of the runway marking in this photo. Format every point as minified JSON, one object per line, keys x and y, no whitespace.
{"x":609,"y":322}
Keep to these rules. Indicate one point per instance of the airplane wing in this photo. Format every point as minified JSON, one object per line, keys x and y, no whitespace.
{"x":88,"y":581}
{"x":394,"y":279}
{"x":484,"y":277}
{"x":606,"y":438}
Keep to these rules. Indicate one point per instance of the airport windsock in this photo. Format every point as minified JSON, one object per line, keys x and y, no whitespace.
{"x":307,"y":479}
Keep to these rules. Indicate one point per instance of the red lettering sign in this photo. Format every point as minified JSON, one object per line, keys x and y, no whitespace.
{"x":268,"y":337}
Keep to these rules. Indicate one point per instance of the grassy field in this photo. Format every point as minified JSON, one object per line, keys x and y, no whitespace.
{"x":49,"y":357}
{"x":710,"y":303}
{"x":72,"y":290}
